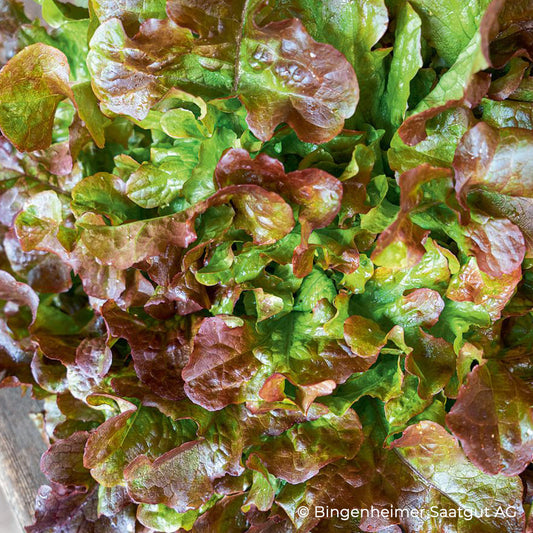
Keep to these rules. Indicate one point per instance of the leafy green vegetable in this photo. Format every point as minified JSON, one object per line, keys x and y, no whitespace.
{"x":31,"y":86}
{"x":268,"y":263}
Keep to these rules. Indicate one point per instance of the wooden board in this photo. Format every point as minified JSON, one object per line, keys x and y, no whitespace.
{"x":21,"y":447}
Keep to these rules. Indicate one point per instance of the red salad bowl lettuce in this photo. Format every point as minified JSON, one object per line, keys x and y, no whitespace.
{"x":262,"y":258}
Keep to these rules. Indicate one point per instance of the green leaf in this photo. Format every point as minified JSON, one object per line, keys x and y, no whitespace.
{"x":457,"y":318}
{"x":104,"y":194}
{"x":450,"y":27}
{"x":181,"y":123}
{"x":155,"y":186}
{"x":383,"y":381}
{"x":314,"y":288}
{"x":443,"y":134}
{"x":406,"y":61}
{"x":507,"y":114}
{"x":201,"y":185}
{"x":163,"y":518}
{"x":31,"y":86}
{"x":90,"y":113}
{"x":402,"y":408}
{"x":460,"y":84}
{"x":264,"y":486}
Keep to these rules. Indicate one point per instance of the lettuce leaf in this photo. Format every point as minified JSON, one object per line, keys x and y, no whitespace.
{"x":261,"y":259}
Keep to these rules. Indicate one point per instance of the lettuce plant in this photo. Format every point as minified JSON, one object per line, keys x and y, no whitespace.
{"x":265,"y":258}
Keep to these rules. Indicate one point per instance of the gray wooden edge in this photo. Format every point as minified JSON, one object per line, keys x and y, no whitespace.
{"x":21,"y":447}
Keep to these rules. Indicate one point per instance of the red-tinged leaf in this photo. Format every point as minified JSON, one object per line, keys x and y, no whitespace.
{"x":300,"y":453}
{"x":183,"y":295}
{"x":341,"y":256}
{"x":413,"y":129}
{"x":56,"y":347}
{"x":493,"y":174}
{"x":463,"y":84}
{"x":127,"y":244}
{"x":100,"y":281}
{"x":407,"y":478}
{"x":237,"y":167}
{"x":121,"y":439}
{"x":421,"y":307}
{"x":307,"y":394}
{"x":278,"y":71}
{"x":77,"y":416}
{"x":439,"y":460}
{"x":471,"y":284}
{"x":72,"y":511}
{"x":219,"y":367}
{"x":301,"y":347}
{"x":281,"y":73}
{"x":412,"y":184}
{"x":497,"y":244}
{"x":261,"y":213}
{"x":514,"y":39}
{"x":49,"y":374}
{"x":12,"y":290}
{"x":159,"y":354}
{"x":401,"y":245}
{"x":137,"y":291}
{"x":11,"y":17}
{"x":31,"y":85}
{"x":225,"y":515}
{"x":55,"y":507}
{"x":12,"y":201}
{"x":364,"y":337}
{"x":58,"y":158}
{"x":129,"y":84}
{"x":516,"y":209}
{"x":317,"y":88}
{"x":493,"y":419}
{"x":63,"y":462}
{"x":221,"y":362}
{"x":495,"y":159}
{"x":182,"y":478}
{"x":468,"y":356}
{"x":44,"y":272}
{"x":15,"y":358}
{"x":433,"y":361}
{"x":131,"y":13}
{"x":39,"y":225}
{"x":339,"y":485}
{"x":308,"y":348}
{"x":318,"y":193}
{"x":93,"y":357}
{"x":113,"y":501}
{"x":273,"y":390}
{"x":274,"y":524}
{"x":259,"y":420}
{"x":220,"y":19}
{"x":503,"y":87}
